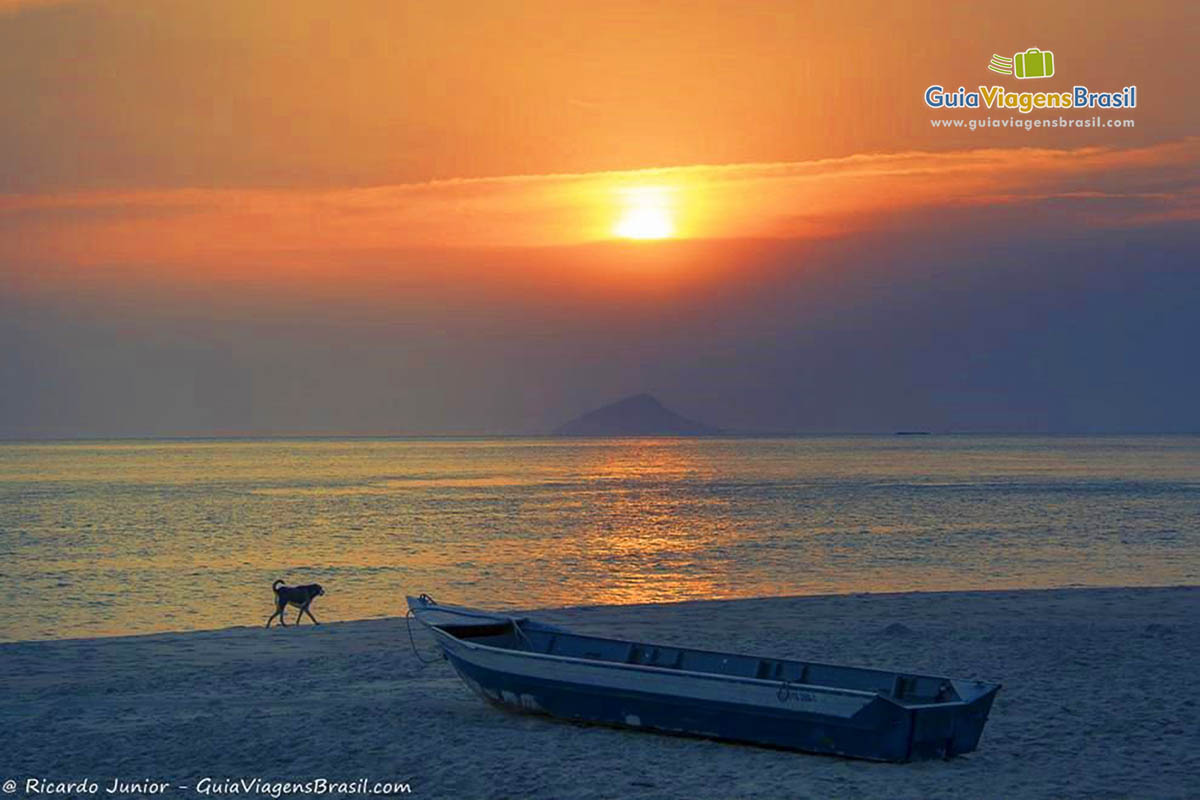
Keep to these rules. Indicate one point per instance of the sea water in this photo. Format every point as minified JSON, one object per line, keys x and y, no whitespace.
{"x":120,"y":537}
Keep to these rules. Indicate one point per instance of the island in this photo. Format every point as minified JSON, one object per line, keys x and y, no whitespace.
{"x":639,"y":415}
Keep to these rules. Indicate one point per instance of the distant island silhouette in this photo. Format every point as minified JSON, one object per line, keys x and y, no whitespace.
{"x":639,"y":415}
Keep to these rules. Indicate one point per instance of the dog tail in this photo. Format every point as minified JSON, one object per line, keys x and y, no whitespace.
{"x":276,"y":585}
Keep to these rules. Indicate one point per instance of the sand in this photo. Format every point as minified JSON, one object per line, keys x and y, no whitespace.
{"x":1100,"y":700}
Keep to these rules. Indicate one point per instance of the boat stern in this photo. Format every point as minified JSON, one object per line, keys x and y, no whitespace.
{"x":945,"y":730}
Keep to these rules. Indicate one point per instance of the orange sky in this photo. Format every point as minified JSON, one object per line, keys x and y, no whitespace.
{"x":139,"y":130}
{"x":139,"y":93}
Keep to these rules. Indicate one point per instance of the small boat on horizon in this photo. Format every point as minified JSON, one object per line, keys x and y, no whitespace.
{"x":524,"y":665}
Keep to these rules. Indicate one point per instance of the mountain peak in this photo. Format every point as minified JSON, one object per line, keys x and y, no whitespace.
{"x":636,"y":415}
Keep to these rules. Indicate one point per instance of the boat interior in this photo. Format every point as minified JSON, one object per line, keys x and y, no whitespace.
{"x":534,"y":638}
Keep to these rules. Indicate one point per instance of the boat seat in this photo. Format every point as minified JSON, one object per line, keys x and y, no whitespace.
{"x":866,"y":680}
{"x":652,"y":656}
{"x":911,"y":687}
{"x":720,"y":664}
{"x":588,"y":647}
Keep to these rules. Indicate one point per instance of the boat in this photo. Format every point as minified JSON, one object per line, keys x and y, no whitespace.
{"x":521,"y":664}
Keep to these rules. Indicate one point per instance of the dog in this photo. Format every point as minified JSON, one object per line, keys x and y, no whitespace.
{"x":300,"y":597}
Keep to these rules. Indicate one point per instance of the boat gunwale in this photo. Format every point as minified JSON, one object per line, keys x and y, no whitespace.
{"x":712,"y":676}
{"x":505,"y":616}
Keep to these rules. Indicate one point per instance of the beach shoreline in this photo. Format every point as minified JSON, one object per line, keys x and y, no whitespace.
{"x":1098,"y":701}
{"x":556,"y":611}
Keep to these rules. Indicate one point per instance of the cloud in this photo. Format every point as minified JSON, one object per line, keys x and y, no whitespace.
{"x":1103,"y":187}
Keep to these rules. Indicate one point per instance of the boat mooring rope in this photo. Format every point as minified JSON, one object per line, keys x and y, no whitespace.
{"x":408,"y":624}
{"x":520,"y":633}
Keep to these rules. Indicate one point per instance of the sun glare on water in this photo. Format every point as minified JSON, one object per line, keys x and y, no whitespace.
{"x":646,"y":213}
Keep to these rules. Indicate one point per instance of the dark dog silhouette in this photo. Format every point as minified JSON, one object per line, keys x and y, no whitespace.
{"x":296,"y":596}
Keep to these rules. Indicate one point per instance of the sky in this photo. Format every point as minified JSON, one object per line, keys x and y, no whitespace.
{"x":276,"y":218}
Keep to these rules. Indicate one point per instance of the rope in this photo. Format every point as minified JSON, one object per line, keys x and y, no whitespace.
{"x":408,"y":624}
{"x":520,"y":633}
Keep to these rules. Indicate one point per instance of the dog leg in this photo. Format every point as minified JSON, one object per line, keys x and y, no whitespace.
{"x":299,"y":615}
{"x":310,"y":616}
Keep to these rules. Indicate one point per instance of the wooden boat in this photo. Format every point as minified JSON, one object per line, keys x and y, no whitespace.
{"x":525,"y":665}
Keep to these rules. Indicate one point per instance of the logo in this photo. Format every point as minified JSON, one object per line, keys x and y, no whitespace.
{"x":1033,"y":63}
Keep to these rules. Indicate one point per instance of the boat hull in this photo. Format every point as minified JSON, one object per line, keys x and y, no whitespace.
{"x":880,"y":730}
{"x":816,"y":719}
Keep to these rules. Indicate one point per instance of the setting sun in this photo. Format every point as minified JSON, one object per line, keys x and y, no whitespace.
{"x":646,"y":214}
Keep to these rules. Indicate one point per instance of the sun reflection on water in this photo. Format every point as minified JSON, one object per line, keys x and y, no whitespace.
{"x":95,"y":531}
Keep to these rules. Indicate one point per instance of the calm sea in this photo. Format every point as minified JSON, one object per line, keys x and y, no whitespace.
{"x":122,"y":537}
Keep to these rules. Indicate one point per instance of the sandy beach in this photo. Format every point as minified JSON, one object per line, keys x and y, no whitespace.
{"x":1099,"y":700}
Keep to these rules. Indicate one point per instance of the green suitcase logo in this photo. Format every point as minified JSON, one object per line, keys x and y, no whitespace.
{"x":1033,"y":63}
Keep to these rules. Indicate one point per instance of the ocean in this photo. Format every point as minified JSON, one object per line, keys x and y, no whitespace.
{"x":125,"y":537}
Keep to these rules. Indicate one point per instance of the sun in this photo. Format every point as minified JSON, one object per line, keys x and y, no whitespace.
{"x":646,"y":213}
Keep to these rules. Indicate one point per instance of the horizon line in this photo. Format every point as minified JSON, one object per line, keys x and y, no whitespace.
{"x":731,"y":434}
